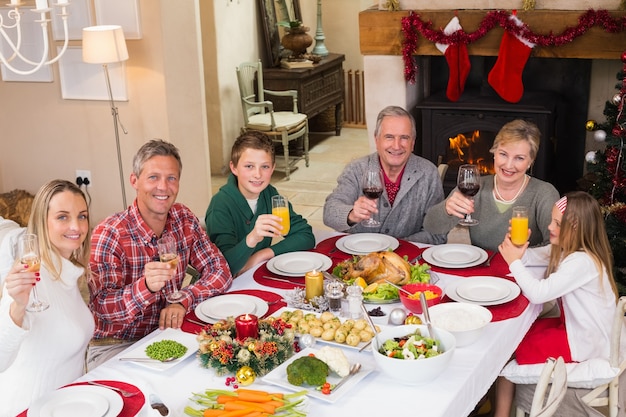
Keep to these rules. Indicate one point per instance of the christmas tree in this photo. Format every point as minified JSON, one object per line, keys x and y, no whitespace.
{"x":607,"y":174}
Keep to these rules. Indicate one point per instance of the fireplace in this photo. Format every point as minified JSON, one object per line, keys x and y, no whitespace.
{"x":555,"y":99}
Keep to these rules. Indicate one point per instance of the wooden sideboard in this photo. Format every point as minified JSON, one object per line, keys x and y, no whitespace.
{"x":318,"y":88}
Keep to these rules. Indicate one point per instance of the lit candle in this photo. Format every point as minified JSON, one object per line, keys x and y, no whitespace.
{"x":313,"y":284}
{"x":41,"y":4}
{"x":14,"y":2}
{"x":60,"y":2}
{"x":247,"y":326}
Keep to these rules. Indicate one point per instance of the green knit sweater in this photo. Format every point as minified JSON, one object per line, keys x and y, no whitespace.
{"x":229,"y":219}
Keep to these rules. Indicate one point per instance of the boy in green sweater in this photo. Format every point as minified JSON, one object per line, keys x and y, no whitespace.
{"x":239,"y":219}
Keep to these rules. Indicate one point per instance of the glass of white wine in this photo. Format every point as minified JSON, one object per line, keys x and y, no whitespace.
{"x":28,"y":252}
{"x":169,"y":254}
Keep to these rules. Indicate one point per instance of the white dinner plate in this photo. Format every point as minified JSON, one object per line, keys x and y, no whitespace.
{"x":296,"y":264}
{"x":260,"y":307}
{"x":427,"y":255}
{"x":228,"y":305}
{"x":455,"y":254}
{"x":365,"y":243}
{"x":138,"y":350}
{"x":71,"y":401}
{"x":485,"y":290}
{"x":278,"y":377}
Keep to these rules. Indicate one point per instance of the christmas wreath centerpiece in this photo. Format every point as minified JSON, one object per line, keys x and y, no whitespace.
{"x":222,"y":350}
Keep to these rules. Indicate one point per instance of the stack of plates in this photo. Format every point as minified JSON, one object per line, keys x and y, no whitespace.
{"x":78,"y":401}
{"x":296,"y":264}
{"x":484,"y":291}
{"x":230,"y":305}
{"x":365,"y":243}
{"x":454,"y":255}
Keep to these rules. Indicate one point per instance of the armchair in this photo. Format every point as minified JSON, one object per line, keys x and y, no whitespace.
{"x":259,"y":114}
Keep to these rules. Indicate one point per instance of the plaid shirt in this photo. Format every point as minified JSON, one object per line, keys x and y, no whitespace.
{"x":123,"y":306}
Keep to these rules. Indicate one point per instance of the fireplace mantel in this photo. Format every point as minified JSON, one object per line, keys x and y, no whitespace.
{"x":381,"y":34}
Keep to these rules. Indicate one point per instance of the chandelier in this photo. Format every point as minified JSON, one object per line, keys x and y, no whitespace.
{"x":13,"y":24}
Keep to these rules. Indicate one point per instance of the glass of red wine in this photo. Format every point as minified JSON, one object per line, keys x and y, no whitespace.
{"x":468,"y":183}
{"x":373,"y":189}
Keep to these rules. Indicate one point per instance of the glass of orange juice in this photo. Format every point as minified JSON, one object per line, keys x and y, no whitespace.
{"x":280,"y":208}
{"x":519,"y":225}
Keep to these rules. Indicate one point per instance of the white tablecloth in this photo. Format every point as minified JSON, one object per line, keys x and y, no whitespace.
{"x":472,"y":370}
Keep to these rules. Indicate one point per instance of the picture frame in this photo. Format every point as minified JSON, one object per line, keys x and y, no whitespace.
{"x":79,"y":16}
{"x":31,"y":48}
{"x":288,"y":10}
{"x":83,"y":81}
{"x":120,"y":12}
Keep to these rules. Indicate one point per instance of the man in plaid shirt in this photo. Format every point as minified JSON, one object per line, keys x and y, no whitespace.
{"x":128,"y":283}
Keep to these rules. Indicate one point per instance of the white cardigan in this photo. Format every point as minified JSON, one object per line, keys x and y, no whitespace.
{"x":588,"y":302}
{"x":48,"y":351}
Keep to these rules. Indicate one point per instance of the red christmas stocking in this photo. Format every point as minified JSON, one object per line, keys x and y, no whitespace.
{"x":458,"y":62}
{"x":506,"y":75}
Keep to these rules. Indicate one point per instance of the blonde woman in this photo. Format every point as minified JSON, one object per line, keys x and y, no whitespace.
{"x":41,"y":351}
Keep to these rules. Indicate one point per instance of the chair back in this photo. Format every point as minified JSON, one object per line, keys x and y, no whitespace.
{"x":553,"y":378}
{"x":250,"y":79}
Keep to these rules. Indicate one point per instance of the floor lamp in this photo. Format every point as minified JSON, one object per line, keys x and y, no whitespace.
{"x":106,"y":45}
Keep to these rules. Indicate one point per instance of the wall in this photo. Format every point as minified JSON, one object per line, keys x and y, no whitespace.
{"x":46,"y":137}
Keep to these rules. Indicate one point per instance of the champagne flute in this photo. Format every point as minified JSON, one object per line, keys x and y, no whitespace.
{"x":28,"y":252}
{"x":169,"y":254}
{"x":468,"y":182}
{"x":372,"y":189}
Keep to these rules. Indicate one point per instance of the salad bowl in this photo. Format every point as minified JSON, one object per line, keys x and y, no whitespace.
{"x":413,"y":371}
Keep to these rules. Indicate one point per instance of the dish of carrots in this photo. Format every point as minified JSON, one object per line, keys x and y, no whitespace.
{"x":244,"y":402}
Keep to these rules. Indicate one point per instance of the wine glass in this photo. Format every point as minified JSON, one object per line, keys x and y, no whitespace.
{"x":169,"y":254}
{"x":468,"y":182}
{"x":373,"y":189}
{"x":28,"y":252}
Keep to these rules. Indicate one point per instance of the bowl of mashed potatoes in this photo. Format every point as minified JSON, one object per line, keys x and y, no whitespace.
{"x":464,"y":320}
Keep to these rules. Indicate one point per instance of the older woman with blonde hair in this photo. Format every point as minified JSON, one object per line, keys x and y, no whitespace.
{"x":514,"y":151}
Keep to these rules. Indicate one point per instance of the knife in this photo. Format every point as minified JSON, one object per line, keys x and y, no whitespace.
{"x":157,"y":404}
{"x":417,"y":258}
{"x":282,"y":280}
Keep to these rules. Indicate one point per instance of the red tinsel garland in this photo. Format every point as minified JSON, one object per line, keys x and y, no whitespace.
{"x":413,"y":26}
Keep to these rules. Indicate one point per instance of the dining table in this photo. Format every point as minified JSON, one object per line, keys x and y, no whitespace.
{"x":454,"y":393}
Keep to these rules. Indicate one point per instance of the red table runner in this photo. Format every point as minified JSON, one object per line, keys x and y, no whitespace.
{"x":270,"y":297}
{"x":132,"y":405}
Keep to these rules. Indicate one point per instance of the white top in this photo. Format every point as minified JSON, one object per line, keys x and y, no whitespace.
{"x":588,"y":302}
{"x":49,"y":350}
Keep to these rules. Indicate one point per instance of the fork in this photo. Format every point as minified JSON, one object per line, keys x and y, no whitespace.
{"x":121,"y":391}
{"x":488,"y":261}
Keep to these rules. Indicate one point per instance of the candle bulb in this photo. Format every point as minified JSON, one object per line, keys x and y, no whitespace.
{"x":313,"y":284}
{"x":247,"y":326}
{"x":41,"y":4}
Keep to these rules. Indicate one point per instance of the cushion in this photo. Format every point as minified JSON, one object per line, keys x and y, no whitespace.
{"x":587,"y":374}
{"x":284,"y":121}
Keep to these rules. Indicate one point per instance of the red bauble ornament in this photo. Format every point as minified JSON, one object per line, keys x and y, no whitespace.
{"x":617,"y":131}
{"x":624,"y":57}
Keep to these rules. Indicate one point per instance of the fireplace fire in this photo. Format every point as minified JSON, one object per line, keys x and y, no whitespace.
{"x":555,"y":99}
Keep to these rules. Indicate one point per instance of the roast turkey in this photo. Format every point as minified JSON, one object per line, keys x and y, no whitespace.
{"x":378,"y":267}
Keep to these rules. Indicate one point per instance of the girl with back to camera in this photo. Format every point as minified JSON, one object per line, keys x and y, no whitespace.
{"x":41,"y":351}
{"x":578,"y":276}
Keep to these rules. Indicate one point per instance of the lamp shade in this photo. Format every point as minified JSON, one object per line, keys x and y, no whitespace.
{"x":104,"y":44}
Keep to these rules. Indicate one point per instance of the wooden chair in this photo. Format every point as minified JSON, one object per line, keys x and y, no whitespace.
{"x":553,"y":381}
{"x":259,"y":114}
{"x":605,"y":395}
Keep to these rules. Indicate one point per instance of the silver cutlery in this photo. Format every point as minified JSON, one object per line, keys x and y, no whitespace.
{"x":354,"y":369}
{"x":488,"y":261}
{"x":157,"y":404}
{"x":426,"y":315}
{"x":282,"y":280}
{"x":199,"y":323}
{"x":166,"y":360}
{"x":399,"y":288}
{"x":121,"y":391}
{"x":417,"y":258}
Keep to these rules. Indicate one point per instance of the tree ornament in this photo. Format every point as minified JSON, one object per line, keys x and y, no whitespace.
{"x":617,"y":131}
{"x":307,"y":341}
{"x":457,"y":59}
{"x":397,"y":316}
{"x":245,"y":375}
{"x":599,"y":135}
{"x":617,"y":98}
{"x":506,"y":75}
{"x":412,"y":319}
{"x":591,"y":125}
{"x":591,"y":157}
